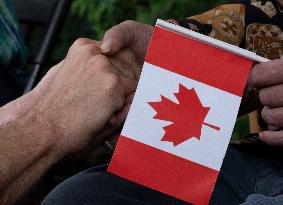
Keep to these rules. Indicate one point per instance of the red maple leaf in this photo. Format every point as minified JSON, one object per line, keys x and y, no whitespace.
{"x":187,"y":117}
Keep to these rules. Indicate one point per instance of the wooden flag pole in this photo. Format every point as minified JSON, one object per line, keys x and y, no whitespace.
{"x":211,"y":41}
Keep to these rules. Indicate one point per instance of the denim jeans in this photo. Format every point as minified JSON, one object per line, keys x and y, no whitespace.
{"x":250,"y":175}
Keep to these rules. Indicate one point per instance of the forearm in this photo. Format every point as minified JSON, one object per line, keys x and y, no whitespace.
{"x":22,"y":185}
{"x":24,"y":142}
{"x":17,"y":108}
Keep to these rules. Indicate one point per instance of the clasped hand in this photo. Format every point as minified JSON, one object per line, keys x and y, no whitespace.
{"x":268,"y":77}
{"x":82,"y":100}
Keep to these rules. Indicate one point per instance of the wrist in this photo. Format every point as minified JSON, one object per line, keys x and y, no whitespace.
{"x":8,"y":113}
{"x":16,"y":109}
{"x":31,"y":140}
{"x":55,"y":131}
{"x":44,"y":132}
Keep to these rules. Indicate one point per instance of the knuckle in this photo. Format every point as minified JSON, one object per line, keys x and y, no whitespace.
{"x":264,"y":97}
{"x":254,"y":78}
{"x":267,"y":115}
{"x":129,"y":22}
{"x":80,"y":42}
{"x":80,"y":45}
{"x":102,"y":62}
{"x":89,"y":49}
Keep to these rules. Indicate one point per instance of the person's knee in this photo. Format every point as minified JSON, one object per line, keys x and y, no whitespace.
{"x":96,"y":186}
{"x":79,"y":188}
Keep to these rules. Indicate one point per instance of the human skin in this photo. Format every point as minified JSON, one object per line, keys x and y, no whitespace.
{"x":67,"y":113}
{"x":128,"y":34}
{"x":268,"y":77}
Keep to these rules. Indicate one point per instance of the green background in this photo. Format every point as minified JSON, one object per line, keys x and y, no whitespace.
{"x":91,"y":18}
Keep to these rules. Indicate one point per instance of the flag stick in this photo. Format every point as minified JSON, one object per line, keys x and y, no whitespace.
{"x":212,"y":126}
{"x":211,"y":41}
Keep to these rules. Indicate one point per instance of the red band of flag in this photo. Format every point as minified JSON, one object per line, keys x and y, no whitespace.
{"x":198,"y":61}
{"x":163,"y":171}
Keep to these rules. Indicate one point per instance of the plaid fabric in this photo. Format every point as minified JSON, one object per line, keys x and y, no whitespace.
{"x":13,"y":52}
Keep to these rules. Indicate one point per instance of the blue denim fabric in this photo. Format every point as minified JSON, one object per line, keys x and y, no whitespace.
{"x":247,"y":173}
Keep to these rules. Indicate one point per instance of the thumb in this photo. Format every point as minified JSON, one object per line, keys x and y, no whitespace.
{"x":129,"y":34}
{"x":118,"y":37}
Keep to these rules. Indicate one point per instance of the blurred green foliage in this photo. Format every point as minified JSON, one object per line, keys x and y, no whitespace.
{"x":91,"y":18}
{"x":102,"y":14}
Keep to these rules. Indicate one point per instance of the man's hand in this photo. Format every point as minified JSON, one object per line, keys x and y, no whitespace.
{"x":68,"y":112}
{"x":128,"y":34}
{"x":86,"y":93}
{"x":269,"y":78}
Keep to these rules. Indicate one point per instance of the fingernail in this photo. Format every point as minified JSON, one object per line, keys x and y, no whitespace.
{"x":106,"y":46}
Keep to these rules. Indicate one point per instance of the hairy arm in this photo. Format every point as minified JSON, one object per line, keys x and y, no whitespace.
{"x":17,"y":177}
{"x":21,"y":185}
{"x":71,"y":116}
{"x":24,"y":142}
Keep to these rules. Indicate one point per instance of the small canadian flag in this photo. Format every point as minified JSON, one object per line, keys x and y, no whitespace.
{"x":182,"y":117}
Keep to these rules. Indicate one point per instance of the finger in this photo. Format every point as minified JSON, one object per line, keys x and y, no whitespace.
{"x":94,"y":152}
{"x":130,"y":86}
{"x":274,"y":138}
{"x":121,"y":116}
{"x":129,"y":34}
{"x":266,"y":74}
{"x":272,"y":96}
{"x":273,"y":116}
{"x":113,"y":121}
{"x":94,"y":149}
{"x":118,"y":37}
{"x":128,"y":63}
{"x":130,"y":98}
{"x":105,"y":133}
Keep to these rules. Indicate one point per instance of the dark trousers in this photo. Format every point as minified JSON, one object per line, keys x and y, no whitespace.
{"x":246,"y":170}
